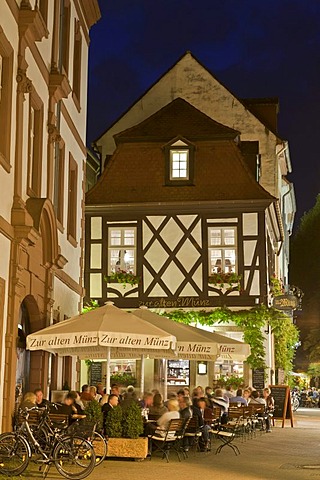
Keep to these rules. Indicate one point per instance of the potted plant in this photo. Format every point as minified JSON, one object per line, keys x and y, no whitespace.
{"x":123,"y":379}
{"x":123,"y":429}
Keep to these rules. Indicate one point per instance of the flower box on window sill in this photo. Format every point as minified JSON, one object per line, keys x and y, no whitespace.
{"x":227,"y":281}
{"x":124,"y":278}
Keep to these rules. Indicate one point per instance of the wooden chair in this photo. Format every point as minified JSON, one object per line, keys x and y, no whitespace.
{"x":193,"y":432}
{"x":229,"y":431}
{"x":168,"y":439}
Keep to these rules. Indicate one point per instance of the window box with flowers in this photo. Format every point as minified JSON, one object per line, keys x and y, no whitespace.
{"x":123,"y":277}
{"x":228,"y":281}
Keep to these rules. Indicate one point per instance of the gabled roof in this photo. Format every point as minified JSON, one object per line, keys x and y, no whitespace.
{"x":178,"y":118}
{"x":244,"y":102}
{"x":136,"y":171}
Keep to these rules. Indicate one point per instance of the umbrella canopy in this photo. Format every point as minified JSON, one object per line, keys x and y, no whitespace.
{"x":194,"y":343}
{"x":90,"y":335}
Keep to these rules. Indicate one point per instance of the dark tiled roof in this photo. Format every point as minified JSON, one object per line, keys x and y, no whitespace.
{"x":177,"y":118}
{"x":136,"y":174}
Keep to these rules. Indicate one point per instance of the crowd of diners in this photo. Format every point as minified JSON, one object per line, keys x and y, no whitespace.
{"x":181,"y":404}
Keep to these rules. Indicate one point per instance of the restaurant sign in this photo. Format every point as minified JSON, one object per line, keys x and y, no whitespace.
{"x":285,"y":302}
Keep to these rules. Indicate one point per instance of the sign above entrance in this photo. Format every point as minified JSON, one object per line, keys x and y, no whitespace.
{"x":285,"y":302}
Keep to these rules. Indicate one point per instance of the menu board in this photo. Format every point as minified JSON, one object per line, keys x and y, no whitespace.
{"x":258,"y":378}
{"x":282,"y":403}
{"x":96,"y":373}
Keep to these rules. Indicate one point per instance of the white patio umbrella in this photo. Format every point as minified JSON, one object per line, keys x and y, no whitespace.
{"x":95,"y":333}
{"x":195,"y":343}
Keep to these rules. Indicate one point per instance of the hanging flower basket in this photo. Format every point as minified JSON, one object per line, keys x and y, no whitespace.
{"x":122,"y":277}
{"x":225,"y":280}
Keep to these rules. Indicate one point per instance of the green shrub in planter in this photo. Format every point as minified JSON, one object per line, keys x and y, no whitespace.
{"x":132,"y":422}
{"x":94,"y":413}
{"x":113,"y":425}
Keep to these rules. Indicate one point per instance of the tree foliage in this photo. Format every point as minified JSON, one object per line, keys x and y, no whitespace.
{"x":252,"y":322}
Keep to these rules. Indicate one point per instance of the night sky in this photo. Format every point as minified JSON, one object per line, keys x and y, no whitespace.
{"x":257,"y":48}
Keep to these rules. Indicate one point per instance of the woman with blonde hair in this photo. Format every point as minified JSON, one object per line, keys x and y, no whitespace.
{"x":29,"y":400}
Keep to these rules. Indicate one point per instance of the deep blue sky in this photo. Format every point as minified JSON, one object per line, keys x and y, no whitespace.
{"x":256,"y":48}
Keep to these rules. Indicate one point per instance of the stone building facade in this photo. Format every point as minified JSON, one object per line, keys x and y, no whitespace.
{"x":43,"y":96}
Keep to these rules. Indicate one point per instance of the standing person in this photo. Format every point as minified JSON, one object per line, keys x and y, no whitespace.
{"x":269,"y":407}
{"x":40,"y":401}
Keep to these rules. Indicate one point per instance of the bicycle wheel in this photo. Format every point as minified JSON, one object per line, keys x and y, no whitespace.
{"x":74,"y":457}
{"x":14,"y":454}
{"x":99,"y":446}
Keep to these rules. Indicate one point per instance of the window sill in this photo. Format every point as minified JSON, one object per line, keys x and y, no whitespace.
{"x":72,"y":240}
{"x":4,"y":163}
{"x":76,"y":101}
{"x":179,"y":183}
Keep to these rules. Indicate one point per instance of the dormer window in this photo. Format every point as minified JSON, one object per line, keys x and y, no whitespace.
{"x":179,"y":163}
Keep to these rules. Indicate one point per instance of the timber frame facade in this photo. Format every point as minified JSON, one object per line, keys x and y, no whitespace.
{"x":171,"y":223}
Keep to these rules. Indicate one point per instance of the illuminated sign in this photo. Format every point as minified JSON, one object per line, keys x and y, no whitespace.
{"x":285,"y":302}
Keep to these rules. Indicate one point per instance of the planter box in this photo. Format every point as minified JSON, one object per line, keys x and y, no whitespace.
{"x":128,"y":447}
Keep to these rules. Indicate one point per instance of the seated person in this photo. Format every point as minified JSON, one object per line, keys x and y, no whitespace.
{"x":255,"y":399}
{"x":163,"y":422}
{"x":157,"y":407}
{"x":206,"y":413}
{"x":112,"y":402}
{"x":238,"y":398}
{"x":147,"y":400}
{"x":29,"y":401}
{"x":269,"y":407}
{"x":185,"y":407}
{"x":69,"y":408}
{"x":40,"y":401}
{"x":218,"y":400}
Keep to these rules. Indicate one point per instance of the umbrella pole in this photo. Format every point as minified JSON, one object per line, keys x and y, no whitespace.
{"x":142,"y":376}
{"x":165,"y":379}
{"x":108,"y":372}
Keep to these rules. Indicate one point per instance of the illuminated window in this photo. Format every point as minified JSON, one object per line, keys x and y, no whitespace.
{"x":122,"y":244}
{"x":222,"y":243}
{"x":179,"y":163}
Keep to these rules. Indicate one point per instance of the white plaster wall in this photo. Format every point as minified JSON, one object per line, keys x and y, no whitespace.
{"x":8,"y":25}
{"x":65,"y":299}
{"x":5,"y":246}
{"x":250,"y":223}
{"x":79,"y":118}
{"x":190,"y":81}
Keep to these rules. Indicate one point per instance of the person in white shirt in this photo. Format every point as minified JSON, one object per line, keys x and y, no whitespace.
{"x":164,"y":420}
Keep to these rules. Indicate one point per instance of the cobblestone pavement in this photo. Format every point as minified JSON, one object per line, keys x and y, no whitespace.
{"x":286,"y":453}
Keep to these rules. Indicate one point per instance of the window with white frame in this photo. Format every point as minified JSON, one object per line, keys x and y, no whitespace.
{"x":122,"y":246}
{"x":179,"y":164}
{"x":222,"y":244}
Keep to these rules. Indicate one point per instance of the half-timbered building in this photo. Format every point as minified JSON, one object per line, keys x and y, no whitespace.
{"x":178,"y":204}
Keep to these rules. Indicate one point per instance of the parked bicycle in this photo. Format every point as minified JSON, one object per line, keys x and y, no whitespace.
{"x":72,"y":455}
